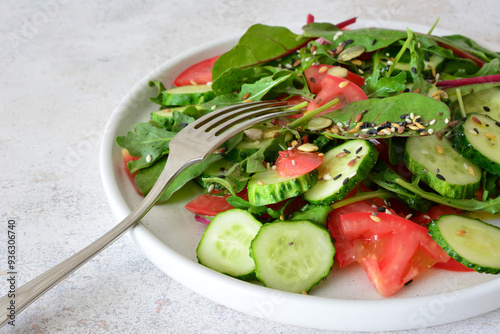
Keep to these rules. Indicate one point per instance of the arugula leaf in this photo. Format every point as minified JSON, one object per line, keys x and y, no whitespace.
{"x":370,"y":38}
{"x":385,"y":86}
{"x":255,"y":91}
{"x":146,"y":177}
{"x":258,"y":45}
{"x":159,"y":97}
{"x":391,"y":181}
{"x":147,"y":139}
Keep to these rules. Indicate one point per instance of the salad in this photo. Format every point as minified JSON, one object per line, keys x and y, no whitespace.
{"x":392,"y":155}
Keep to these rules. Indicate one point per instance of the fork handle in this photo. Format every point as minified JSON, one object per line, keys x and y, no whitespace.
{"x":31,"y":291}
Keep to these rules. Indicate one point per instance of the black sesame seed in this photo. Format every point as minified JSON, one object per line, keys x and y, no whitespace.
{"x":381,"y":209}
{"x":222,"y":170}
{"x":404,"y":123}
{"x":406,"y":90}
{"x":347,"y":151}
{"x":374,"y":41}
{"x":334,"y":50}
{"x":420,"y":130}
{"x":349,"y":41}
{"x":337,"y":177}
{"x":426,"y":59}
{"x":290,"y":243}
{"x":441,"y":177}
{"x":312,"y":79}
{"x":486,"y":108}
{"x":497,"y":123}
{"x":388,"y":67}
{"x":414,"y":70}
{"x":477,"y":131}
{"x":403,"y":116}
{"x":345,"y":181}
{"x":409,"y":282}
{"x":359,"y":149}
{"x":375,"y":214}
{"x":221,"y":176}
{"x":374,"y":131}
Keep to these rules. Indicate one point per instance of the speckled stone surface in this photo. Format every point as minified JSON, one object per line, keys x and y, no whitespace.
{"x":65,"y":65}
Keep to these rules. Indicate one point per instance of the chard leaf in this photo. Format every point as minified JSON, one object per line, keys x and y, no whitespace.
{"x":258,"y":45}
{"x":391,"y":109}
{"x":471,"y":46}
{"x":147,"y":139}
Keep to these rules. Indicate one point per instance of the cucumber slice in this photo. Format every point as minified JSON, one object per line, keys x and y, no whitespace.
{"x":292,"y":255}
{"x":244,"y":149}
{"x":339,"y":174}
{"x":185,"y":95}
{"x":484,"y":102}
{"x":268,"y":187}
{"x":217,"y":169}
{"x":470,"y":241}
{"x":479,"y":142}
{"x":441,"y":167}
{"x":225,"y":245}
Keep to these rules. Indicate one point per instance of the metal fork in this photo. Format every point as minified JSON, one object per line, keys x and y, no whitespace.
{"x":191,"y":145}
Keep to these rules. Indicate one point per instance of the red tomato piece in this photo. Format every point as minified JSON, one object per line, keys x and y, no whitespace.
{"x":392,"y":251}
{"x":334,"y":87}
{"x":200,"y":73}
{"x":315,"y":75}
{"x":295,"y":163}
{"x":208,"y":205}
{"x":126,"y":158}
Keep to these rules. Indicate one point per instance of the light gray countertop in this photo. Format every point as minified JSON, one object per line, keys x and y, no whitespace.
{"x":65,"y":66}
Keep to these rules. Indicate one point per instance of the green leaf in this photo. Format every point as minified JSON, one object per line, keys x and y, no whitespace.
{"x":231,"y":80}
{"x":391,"y":109}
{"x":370,"y":38}
{"x":146,"y":178}
{"x":148,"y":141}
{"x":316,"y":214}
{"x":471,"y":46}
{"x":385,"y":86}
{"x":158,"y":98}
{"x":258,"y":45}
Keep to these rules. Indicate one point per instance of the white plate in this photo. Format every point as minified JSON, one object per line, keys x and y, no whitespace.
{"x":168,"y":236}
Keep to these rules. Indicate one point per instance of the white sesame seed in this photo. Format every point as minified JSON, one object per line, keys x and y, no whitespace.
{"x":307,"y":59}
{"x":412,"y":116}
{"x":315,"y":52}
{"x":408,"y":216}
{"x":424,"y":152}
{"x":327,"y":177}
{"x":211,"y":188}
{"x":426,"y":217}
{"x":337,"y":35}
{"x":288,"y":65}
{"x":390,"y":62}
{"x":213,"y":107}
{"x":360,"y":71}
{"x":148,"y":158}
{"x":432,"y":122}
{"x":446,"y":120}
{"x":430,"y":131}
{"x":387,"y":54}
{"x":293,"y":162}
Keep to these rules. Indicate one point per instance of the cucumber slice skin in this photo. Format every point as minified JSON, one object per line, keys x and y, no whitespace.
{"x":225,"y":245}
{"x":422,"y":168}
{"x":218,"y":168}
{"x":268,"y":187}
{"x":489,"y":98}
{"x":187,"y":95}
{"x":330,"y":190}
{"x":491,"y":236}
{"x":461,"y":137}
{"x":292,"y":256}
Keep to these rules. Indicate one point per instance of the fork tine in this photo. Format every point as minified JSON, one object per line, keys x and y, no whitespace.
{"x":222,"y":115}
{"x":241,"y":123}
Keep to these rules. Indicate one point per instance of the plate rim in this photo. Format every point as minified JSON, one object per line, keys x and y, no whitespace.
{"x":261,"y":296}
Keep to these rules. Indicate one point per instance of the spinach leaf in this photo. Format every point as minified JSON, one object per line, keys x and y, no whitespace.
{"x":390,"y":110}
{"x":148,"y":141}
{"x":258,"y":45}
{"x":231,"y":80}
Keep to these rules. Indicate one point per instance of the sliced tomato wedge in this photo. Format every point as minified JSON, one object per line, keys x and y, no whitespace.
{"x":334,"y":87}
{"x":315,"y":75}
{"x":198,"y":74}
{"x":126,"y":158}
{"x":392,"y":251}
{"x":208,"y":205}
{"x":295,"y":163}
